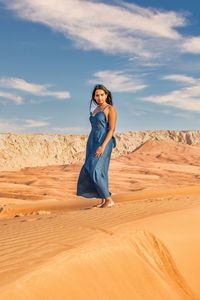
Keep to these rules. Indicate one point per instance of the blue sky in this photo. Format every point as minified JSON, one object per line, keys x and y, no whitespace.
{"x":54,"y":51}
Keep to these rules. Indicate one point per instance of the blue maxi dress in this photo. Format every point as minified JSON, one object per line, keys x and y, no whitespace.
{"x":93,"y":177}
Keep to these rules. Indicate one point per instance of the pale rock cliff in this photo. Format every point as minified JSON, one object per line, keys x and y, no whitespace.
{"x":28,"y":150}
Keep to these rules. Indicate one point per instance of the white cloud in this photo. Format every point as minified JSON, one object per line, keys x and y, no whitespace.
{"x":180,"y":78}
{"x":59,"y":95}
{"x":191,"y":45}
{"x":21,"y":84}
{"x":16,"y":99}
{"x":112,"y":28}
{"x":187,"y":98}
{"x":66,"y":130}
{"x":118,"y":81}
{"x":8,"y":126}
{"x":32,"y":88}
{"x":35,"y":123}
{"x":20,"y":125}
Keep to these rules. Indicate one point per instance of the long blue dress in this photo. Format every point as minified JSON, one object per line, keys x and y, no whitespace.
{"x":93,"y":177}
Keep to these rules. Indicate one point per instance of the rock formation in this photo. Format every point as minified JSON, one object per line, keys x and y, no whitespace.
{"x":28,"y":150}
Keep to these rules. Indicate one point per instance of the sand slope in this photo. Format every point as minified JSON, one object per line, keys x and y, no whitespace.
{"x":122,"y":262}
{"x":55,"y":245}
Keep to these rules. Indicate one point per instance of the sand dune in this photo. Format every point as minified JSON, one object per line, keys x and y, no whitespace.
{"x":124,"y":261}
{"x":55,"y":245}
{"x":155,"y":164}
{"x":165,"y":152}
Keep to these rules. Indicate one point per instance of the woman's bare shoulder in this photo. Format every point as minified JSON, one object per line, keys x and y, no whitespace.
{"x":111,"y":108}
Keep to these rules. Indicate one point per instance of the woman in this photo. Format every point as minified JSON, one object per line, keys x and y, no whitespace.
{"x":93,"y":177}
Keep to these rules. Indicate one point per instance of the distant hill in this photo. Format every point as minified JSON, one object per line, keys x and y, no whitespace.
{"x":164,"y":151}
{"x":29,"y":150}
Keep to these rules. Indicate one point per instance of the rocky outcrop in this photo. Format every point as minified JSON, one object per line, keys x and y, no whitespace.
{"x":27,"y":150}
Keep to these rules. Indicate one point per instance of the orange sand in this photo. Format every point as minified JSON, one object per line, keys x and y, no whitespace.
{"x":55,"y":245}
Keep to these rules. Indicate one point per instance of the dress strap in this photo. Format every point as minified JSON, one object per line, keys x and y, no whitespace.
{"x":91,"y":113}
{"x":105,"y":107}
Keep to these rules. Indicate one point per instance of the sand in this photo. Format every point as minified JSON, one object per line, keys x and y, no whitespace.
{"x":55,"y":245}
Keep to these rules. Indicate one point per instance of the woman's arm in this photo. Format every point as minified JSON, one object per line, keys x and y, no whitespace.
{"x":112,"y":117}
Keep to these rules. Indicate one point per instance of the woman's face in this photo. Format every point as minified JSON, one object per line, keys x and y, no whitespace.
{"x":100,"y":97}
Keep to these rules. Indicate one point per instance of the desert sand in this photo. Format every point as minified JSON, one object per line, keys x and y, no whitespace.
{"x":55,"y":245}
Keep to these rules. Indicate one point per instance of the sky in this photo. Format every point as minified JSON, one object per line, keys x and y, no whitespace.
{"x":53,"y":52}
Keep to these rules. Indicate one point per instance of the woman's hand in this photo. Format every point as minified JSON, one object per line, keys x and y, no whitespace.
{"x":100,"y":151}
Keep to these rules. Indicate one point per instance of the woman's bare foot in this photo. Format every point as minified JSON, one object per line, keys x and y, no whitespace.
{"x":100,"y":204}
{"x":108,"y":203}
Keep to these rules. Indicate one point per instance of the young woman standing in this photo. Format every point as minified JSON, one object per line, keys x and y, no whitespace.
{"x":93,"y":177}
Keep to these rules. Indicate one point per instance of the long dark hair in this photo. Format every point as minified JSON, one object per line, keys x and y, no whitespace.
{"x":107,"y":92}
